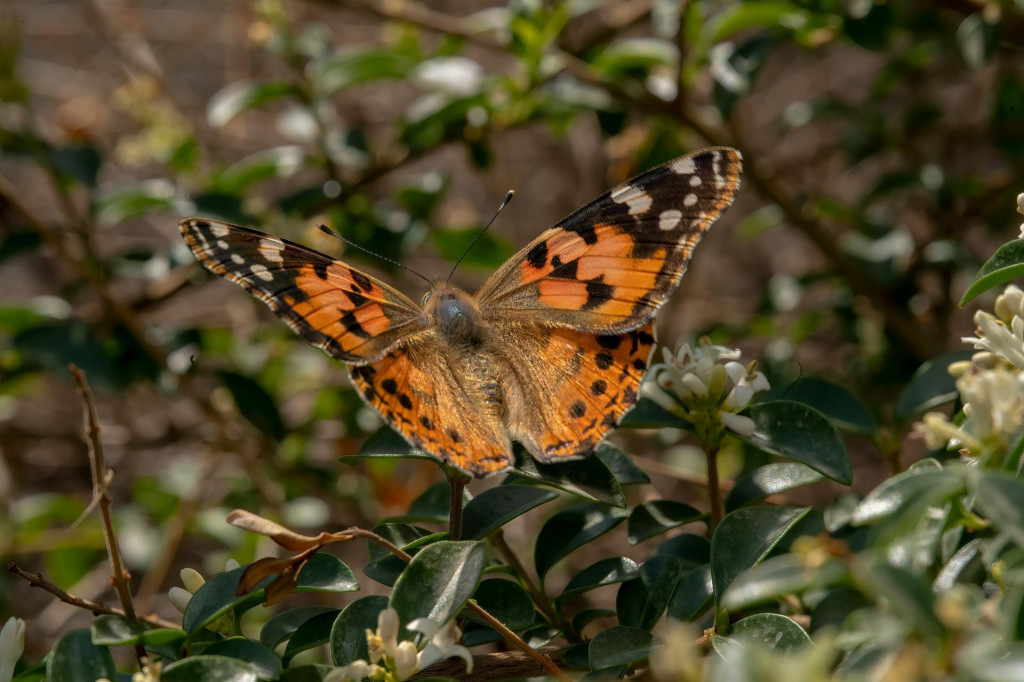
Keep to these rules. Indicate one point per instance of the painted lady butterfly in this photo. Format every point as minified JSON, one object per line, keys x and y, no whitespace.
{"x":550,"y":351}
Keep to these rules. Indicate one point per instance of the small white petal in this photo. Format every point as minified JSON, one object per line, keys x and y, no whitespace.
{"x":192,"y":579}
{"x":695,"y":385}
{"x":736,"y":371}
{"x":737,"y":423}
{"x":406,"y":664}
{"x":179,"y":597}
{"x":425,"y":626}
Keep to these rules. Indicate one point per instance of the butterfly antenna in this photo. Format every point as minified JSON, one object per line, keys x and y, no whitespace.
{"x":327,"y":230}
{"x":508,"y":197}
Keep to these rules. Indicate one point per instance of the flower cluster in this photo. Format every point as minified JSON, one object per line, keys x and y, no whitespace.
{"x":394,"y":661}
{"x":12,"y":643}
{"x":991,"y":384}
{"x":706,"y":386}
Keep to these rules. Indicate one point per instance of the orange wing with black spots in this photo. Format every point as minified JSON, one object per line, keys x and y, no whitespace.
{"x":574,"y":387}
{"x":348,"y":314}
{"x":448,"y":411}
{"x":609,"y":266}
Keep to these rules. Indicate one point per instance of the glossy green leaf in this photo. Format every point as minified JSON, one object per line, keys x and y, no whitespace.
{"x":76,"y":659}
{"x":619,"y":645}
{"x":693,"y":595}
{"x":263,"y":660}
{"x":920,"y":488}
{"x":778,"y":576}
{"x":744,"y":538}
{"x":588,"y":478}
{"x":117,"y":204}
{"x":648,"y":414}
{"x":281,"y":626}
{"x":255,"y":404}
{"x":622,"y":466}
{"x":930,"y":386}
{"x":604,"y":572}
{"x":1000,"y":497}
{"x":582,"y":619}
{"x":118,"y":630}
{"x":963,"y":560}
{"x":386,"y":443}
{"x":910,"y":595}
{"x":833,"y":400}
{"x":311,"y":634}
{"x":267,"y":164}
{"x":402,"y":535}
{"x":692,"y":550}
{"x":430,"y":506}
{"x":657,"y":516}
{"x":800,"y":433}
{"x":322,"y":573}
{"x":306,"y":673}
{"x":641,"y":602}
{"x":348,"y":634}
{"x":385,"y":567}
{"x":1005,"y":265}
{"x":238,"y":96}
{"x":438,"y":581}
{"x":494,"y":507}
{"x":505,"y":600}
{"x":771,"y":631}
{"x":202,"y":668}
{"x":346,"y":69}
{"x":570,"y":529}
{"x":768,"y":480}
{"x":631,"y":54}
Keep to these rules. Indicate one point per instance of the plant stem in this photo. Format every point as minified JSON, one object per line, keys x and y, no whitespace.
{"x":714,"y":490}
{"x":540,"y":600}
{"x":456,"y":485}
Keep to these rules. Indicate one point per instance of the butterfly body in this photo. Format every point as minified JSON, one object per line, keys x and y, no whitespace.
{"x":550,"y":351}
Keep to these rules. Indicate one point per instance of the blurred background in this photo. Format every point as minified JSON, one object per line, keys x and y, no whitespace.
{"x":883,"y":145}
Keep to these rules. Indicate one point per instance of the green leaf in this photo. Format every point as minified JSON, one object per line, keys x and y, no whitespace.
{"x":263,"y":660}
{"x":648,"y":414}
{"x":430,"y":506}
{"x":238,"y":96}
{"x":346,"y":69}
{"x":772,"y":631}
{"x":910,"y":595}
{"x":401,"y":535}
{"x":1005,"y":265}
{"x":622,"y":466}
{"x":570,"y":529}
{"x":489,"y":252}
{"x":438,"y":581}
{"x":80,"y":162}
{"x":1001,"y":498}
{"x":834,"y":401}
{"x":494,"y":507}
{"x":204,"y":668}
{"x":768,"y":480}
{"x":744,"y":538}
{"x":56,"y":344}
{"x":348,"y":635}
{"x":800,"y":433}
{"x":306,"y":673}
{"x":281,"y":626}
{"x":506,"y":601}
{"x":930,"y":386}
{"x":964,"y":559}
{"x":619,"y":645}
{"x":385,"y":443}
{"x":76,"y":659}
{"x":255,"y":404}
{"x":117,"y":630}
{"x":657,"y":516}
{"x":604,"y":572}
{"x":631,"y":54}
{"x":322,"y":573}
{"x":640,"y":603}
{"x":908,"y":493}
{"x":582,"y":619}
{"x":311,"y":634}
{"x":692,"y":550}
{"x":693,"y":595}
{"x":778,"y":576}
{"x":267,"y":164}
{"x":588,"y":478}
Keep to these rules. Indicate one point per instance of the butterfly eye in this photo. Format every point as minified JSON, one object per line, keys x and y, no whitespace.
{"x":426,"y":297}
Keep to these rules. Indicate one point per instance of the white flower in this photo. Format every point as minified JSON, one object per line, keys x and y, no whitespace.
{"x":443,"y":643}
{"x":1010,"y":303}
{"x":150,"y":672}
{"x":997,"y":337}
{"x":355,"y":672}
{"x":453,"y":75}
{"x":1020,"y":203}
{"x":12,"y":644}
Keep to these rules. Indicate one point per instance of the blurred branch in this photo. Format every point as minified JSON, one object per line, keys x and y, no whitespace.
{"x":500,"y":665}
{"x":97,"y":608}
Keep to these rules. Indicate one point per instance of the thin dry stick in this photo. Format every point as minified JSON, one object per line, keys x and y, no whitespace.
{"x":119,"y":575}
{"x":97,"y":608}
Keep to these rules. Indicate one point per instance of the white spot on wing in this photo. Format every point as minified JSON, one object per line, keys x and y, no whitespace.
{"x":695,"y":181}
{"x":689,"y":200}
{"x":261,"y":272}
{"x":684,"y":166}
{"x":669,"y":219}
{"x":634,"y":197}
{"x":221,"y":244}
{"x":219,"y":230}
{"x":271,"y":248}
{"x":719,"y":180}
{"x":236,"y":259}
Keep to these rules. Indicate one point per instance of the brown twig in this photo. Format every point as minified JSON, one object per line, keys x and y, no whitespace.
{"x":500,"y":665}
{"x":97,"y":608}
{"x":456,"y":485}
{"x":119,"y":575}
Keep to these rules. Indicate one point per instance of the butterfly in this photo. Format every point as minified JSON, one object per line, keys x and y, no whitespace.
{"x":550,"y":351}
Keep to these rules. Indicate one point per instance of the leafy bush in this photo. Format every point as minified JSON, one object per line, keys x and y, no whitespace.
{"x":795,"y":526}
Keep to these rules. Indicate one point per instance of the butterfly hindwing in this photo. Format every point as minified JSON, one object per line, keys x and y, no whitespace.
{"x":572,"y":388}
{"x":437,"y":408}
{"x":609,"y":266}
{"x":350,"y":315}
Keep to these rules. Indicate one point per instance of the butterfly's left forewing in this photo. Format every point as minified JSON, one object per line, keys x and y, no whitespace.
{"x":348,"y":314}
